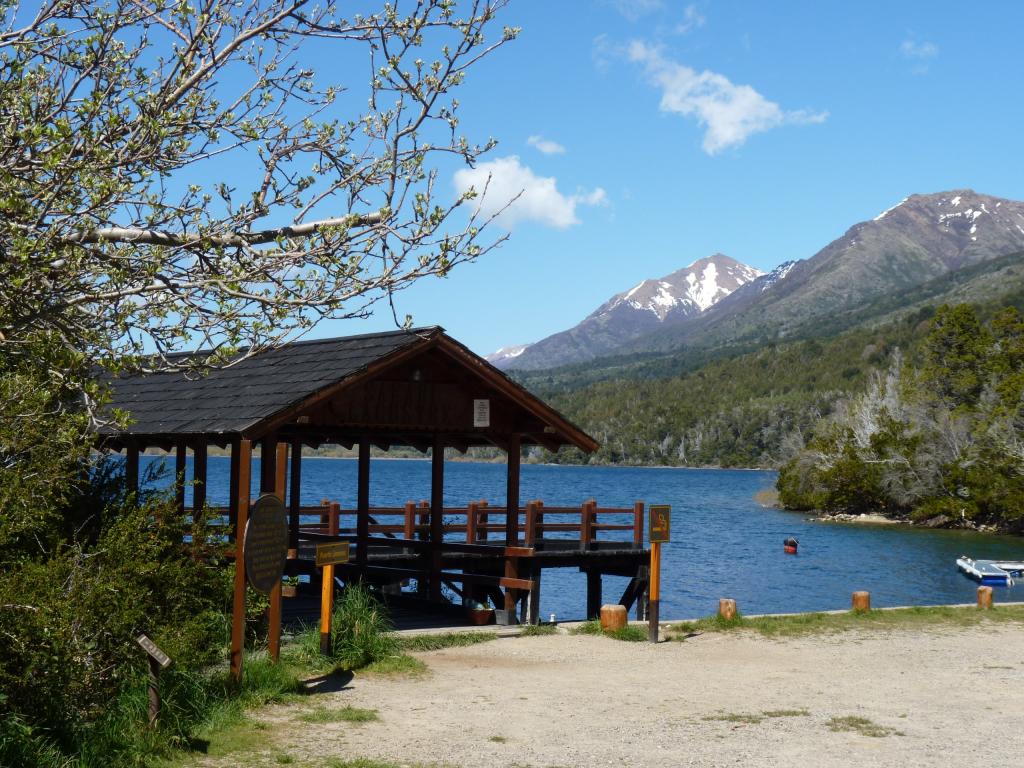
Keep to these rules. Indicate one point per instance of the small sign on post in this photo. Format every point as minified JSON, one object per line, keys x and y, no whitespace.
{"x":333,"y":553}
{"x":157,"y":660}
{"x":658,"y":533}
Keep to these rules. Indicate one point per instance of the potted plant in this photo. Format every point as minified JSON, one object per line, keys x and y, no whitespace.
{"x":290,"y":586}
{"x":479,"y":613}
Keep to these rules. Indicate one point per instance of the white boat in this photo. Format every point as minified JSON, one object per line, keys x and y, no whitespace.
{"x":987,"y":571}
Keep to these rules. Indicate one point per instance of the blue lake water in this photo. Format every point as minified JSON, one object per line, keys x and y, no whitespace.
{"x":723,"y":544}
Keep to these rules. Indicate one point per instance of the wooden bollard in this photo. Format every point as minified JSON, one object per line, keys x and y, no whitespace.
{"x":985,"y":597}
{"x":861,"y":601}
{"x":613,"y":617}
{"x":727,"y":608}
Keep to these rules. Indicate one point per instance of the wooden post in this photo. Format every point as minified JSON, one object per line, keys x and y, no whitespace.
{"x":587,"y":523}
{"x":233,"y":484}
{"x":295,"y":499}
{"x":512,"y":491}
{"x":727,"y":608}
{"x":471,"y":523}
{"x":861,"y":601}
{"x":511,"y":595}
{"x":540,"y":520}
{"x":199,"y":472}
{"x":240,"y":504}
{"x":409,"y":531}
{"x":436,"y":516}
{"x":180,"y":465}
{"x":154,"y":691}
{"x":654,"y":593}
{"x":268,"y":463}
{"x":613,"y":617}
{"x":531,"y":523}
{"x":985,"y":597}
{"x":327,"y":586}
{"x":638,"y":524}
{"x":131,"y":466}
{"x":593,"y":594}
{"x":363,"y":503}
{"x":274,"y":611}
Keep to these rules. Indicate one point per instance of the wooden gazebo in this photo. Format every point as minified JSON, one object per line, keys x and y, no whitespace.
{"x":417,"y":388}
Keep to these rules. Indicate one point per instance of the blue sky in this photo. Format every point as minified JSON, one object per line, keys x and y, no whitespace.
{"x":667,"y":131}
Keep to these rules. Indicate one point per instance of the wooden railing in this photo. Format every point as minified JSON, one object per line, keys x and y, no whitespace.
{"x":475,"y":523}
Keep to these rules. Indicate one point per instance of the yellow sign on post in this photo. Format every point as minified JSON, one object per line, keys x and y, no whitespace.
{"x":331,"y":554}
{"x":661,"y":523}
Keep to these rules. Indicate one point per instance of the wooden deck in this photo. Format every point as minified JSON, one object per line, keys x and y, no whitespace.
{"x":391,"y":548}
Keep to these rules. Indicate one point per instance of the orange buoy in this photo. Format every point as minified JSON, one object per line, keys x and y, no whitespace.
{"x":789,"y":546}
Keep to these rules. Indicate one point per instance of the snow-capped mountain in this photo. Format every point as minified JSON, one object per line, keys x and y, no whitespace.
{"x":500,"y":357}
{"x":686,"y":292}
{"x":921,"y":239}
{"x":642,"y":309}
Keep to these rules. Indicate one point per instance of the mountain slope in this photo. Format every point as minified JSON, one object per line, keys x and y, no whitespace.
{"x":637,"y":312}
{"x":922,"y":238}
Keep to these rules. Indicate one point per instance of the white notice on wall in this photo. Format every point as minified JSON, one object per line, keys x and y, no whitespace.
{"x":481,"y":413}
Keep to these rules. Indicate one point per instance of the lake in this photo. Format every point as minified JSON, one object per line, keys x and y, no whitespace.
{"x":724,"y":544}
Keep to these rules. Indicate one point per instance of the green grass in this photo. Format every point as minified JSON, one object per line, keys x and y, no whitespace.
{"x":436,"y":642}
{"x":825,"y":623}
{"x":751,"y":718}
{"x":736,"y":717}
{"x":498,"y":739}
{"x":399,"y":664}
{"x":861,"y":725}
{"x":627,"y":634}
{"x":785,"y":713}
{"x":342,"y":715}
{"x":538,"y":630}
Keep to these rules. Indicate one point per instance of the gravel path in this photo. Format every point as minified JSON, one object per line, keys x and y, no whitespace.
{"x":933,"y":697}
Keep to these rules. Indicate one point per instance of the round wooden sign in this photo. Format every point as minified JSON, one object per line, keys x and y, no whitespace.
{"x":266,"y":543}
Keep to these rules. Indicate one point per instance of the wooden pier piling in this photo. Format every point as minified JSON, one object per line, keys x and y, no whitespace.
{"x":984,"y":597}
{"x":861,"y":601}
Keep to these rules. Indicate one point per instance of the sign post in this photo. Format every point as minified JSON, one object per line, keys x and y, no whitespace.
{"x":658,"y":533}
{"x":157,"y":660}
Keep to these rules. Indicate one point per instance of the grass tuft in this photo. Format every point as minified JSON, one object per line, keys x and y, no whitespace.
{"x":342,"y":715}
{"x":400,"y":664}
{"x":435,"y":642}
{"x":861,"y":725}
{"x":786,"y":713}
{"x":627,"y":634}
{"x":736,"y":717}
{"x":498,"y":739}
{"x":538,"y":630}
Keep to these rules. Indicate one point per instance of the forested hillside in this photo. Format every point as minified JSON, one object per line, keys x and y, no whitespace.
{"x":754,"y":409}
{"x":940,"y":438}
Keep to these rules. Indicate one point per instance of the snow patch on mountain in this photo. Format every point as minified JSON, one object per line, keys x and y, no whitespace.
{"x":505,"y":354}
{"x":883,"y":214}
{"x":690,"y":291}
{"x":778,"y":274}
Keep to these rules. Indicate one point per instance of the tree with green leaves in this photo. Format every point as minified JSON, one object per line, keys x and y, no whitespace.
{"x":226,"y":173}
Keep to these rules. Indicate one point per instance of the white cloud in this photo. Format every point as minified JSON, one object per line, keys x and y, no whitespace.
{"x":538,"y":196}
{"x":911,"y":49}
{"x":635,"y":9}
{"x":921,"y":53}
{"x":547,"y":146}
{"x":729,"y":112}
{"x":692,"y":19}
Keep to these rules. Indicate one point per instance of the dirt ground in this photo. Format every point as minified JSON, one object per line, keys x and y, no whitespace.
{"x":934,"y":697}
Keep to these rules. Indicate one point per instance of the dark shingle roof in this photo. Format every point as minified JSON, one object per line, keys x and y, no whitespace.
{"x":230,"y":400}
